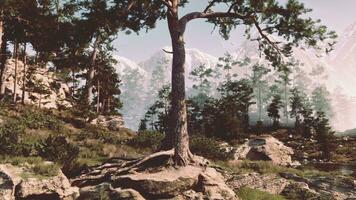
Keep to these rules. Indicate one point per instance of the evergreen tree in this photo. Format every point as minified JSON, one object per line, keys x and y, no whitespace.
{"x":236,"y":97}
{"x":308,"y":118}
{"x":296,"y":103}
{"x":320,"y":100}
{"x":324,"y":134}
{"x":273,"y":110}
{"x":260,"y":86}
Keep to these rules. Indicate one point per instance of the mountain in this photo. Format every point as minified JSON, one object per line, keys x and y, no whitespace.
{"x":141,"y":81}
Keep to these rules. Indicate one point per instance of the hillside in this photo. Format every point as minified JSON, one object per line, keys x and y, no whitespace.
{"x":78,"y":148}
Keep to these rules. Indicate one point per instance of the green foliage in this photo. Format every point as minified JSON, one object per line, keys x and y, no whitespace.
{"x":246,"y":193}
{"x":39,"y":119}
{"x":146,"y":139}
{"x":320,"y":100}
{"x":58,"y":149}
{"x":273,"y":109}
{"x":45,"y":169}
{"x":98,"y":133}
{"x":10,"y":137}
{"x":209,"y":148}
{"x":324,"y":134}
{"x":157,"y":115}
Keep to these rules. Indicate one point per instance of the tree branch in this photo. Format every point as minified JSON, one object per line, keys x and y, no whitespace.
{"x":211,"y":4}
{"x":232,"y":6}
{"x":170,"y":52}
{"x":195,"y":15}
{"x":264,"y":36}
{"x":167,"y":4}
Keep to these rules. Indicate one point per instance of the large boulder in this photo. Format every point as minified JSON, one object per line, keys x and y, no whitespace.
{"x":154,"y":178}
{"x":271,"y":183}
{"x":319,"y":187}
{"x":106,"y":191}
{"x":18,"y":183}
{"x":111,"y":122}
{"x":54,"y":92}
{"x":266,"y":148}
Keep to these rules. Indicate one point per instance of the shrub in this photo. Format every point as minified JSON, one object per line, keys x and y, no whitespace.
{"x":209,"y":148}
{"x":147,"y":139}
{"x":99,"y":133}
{"x":39,"y":119}
{"x":58,"y":149}
{"x":10,"y":137}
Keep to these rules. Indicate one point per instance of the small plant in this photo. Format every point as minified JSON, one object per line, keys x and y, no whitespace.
{"x":246,"y":193}
{"x":209,"y":148}
{"x":45,"y":169}
{"x":147,"y":139}
{"x":58,"y":149}
{"x":39,"y":119}
{"x":10,"y":137}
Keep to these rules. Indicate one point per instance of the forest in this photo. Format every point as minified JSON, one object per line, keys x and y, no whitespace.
{"x":77,"y":121}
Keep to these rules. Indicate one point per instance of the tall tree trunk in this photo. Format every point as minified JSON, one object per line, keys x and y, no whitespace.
{"x":16,"y":47}
{"x":98,"y":98}
{"x":91,"y":72}
{"x":3,"y":58}
{"x":73,"y":84}
{"x":259,"y":102}
{"x":1,"y":25}
{"x":286,"y":104}
{"x":24,"y":74}
{"x":178,"y":134}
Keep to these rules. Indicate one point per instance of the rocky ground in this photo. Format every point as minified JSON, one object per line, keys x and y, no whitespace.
{"x":271,"y":167}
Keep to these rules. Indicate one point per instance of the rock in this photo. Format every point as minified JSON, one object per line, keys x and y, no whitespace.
{"x":57,"y":90}
{"x":106,"y":191}
{"x":153,"y":178}
{"x":299,"y":190}
{"x":213,"y":186}
{"x":14,"y":186}
{"x":338,"y":188}
{"x":113,"y":122}
{"x":265,"y":148}
{"x":270,"y":183}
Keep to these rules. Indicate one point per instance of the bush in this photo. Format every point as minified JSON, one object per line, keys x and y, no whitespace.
{"x":99,"y":133}
{"x":39,"y":119}
{"x":10,"y":137}
{"x":147,"y":139}
{"x":209,"y":148}
{"x":58,"y":149}
{"x":246,"y":193}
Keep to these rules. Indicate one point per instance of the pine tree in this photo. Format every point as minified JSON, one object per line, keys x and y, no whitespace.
{"x":324,"y":134}
{"x":268,"y":18}
{"x":296,"y":103}
{"x":273,"y":110}
{"x":260,"y":86}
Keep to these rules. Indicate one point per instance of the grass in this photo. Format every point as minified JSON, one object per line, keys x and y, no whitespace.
{"x":267,"y":167}
{"x":32,"y":166}
{"x":45,"y":169}
{"x":246,"y":193}
{"x":20,"y":160}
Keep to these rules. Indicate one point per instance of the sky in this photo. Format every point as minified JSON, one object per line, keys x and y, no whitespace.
{"x":336,"y":14}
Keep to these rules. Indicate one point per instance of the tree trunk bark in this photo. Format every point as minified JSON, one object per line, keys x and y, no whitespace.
{"x":16,"y":46}
{"x":3,"y":58}
{"x":24,"y":75}
{"x":98,"y":98}
{"x":178,"y":132}
{"x":91,"y":72}
{"x":1,"y":26}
